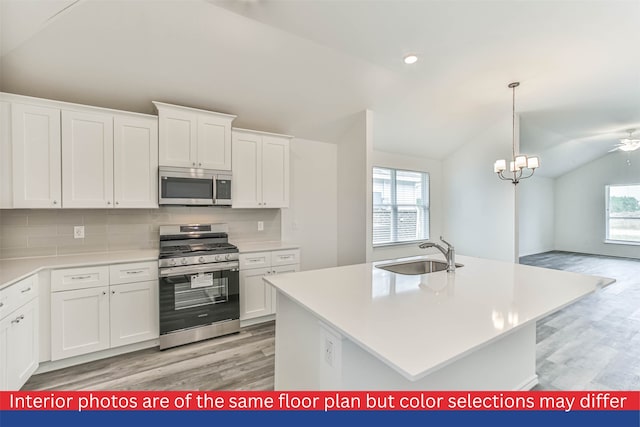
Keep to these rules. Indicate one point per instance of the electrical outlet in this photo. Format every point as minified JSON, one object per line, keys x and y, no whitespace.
{"x":260,"y":225}
{"x":328,"y":351}
{"x":78,"y":232}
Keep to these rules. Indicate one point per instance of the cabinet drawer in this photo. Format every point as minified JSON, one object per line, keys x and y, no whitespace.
{"x":133,"y":272}
{"x":255,"y":260}
{"x":18,"y":294}
{"x":287,"y":257}
{"x":79,"y":278}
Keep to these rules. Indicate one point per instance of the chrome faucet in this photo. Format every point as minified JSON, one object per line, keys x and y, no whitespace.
{"x":449,"y":253}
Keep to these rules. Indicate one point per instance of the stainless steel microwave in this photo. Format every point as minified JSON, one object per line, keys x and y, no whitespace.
{"x":196,"y":187}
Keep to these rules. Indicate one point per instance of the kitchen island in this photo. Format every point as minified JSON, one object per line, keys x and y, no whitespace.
{"x":359,"y":327}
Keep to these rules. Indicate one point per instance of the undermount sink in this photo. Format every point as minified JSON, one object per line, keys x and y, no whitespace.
{"x":416,"y":267}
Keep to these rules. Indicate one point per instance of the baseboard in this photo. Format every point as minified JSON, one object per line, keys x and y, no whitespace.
{"x":77,"y":360}
{"x":257,"y":320}
{"x":528,"y":384}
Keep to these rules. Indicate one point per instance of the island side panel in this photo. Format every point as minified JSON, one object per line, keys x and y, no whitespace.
{"x":298,"y":349}
{"x":301,"y":363}
{"x":506,"y":364}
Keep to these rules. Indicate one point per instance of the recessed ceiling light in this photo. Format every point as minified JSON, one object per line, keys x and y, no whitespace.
{"x":410,"y":59}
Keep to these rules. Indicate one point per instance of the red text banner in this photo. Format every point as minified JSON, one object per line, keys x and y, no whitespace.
{"x":320,"y":401}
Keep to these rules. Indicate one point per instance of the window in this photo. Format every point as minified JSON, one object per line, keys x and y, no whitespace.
{"x":400,"y":206}
{"x":623,"y":213}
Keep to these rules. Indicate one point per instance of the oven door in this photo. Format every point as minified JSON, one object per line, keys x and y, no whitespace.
{"x":200,"y":295}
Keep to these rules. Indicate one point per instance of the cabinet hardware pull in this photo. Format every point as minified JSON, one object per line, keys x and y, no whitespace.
{"x":55,"y":202}
{"x":194,"y":163}
{"x":1,"y":304}
{"x":109,"y":202}
{"x":199,"y":164}
{"x":113,"y":292}
{"x":26,"y":290}
{"x":18,"y":319}
{"x":80,"y":277}
{"x":135,"y":272}
{"x":104,"y":292}
{"x":117,"y":203}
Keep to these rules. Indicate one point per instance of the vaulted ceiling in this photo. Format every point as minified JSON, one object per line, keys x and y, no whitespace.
{"x":305,"y":67}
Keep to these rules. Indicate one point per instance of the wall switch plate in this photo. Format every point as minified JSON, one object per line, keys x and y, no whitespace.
{"x":78,"y":232}
{"x":260,"y":225}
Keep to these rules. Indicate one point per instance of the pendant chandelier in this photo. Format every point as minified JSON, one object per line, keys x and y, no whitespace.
{"x":520,"y":166}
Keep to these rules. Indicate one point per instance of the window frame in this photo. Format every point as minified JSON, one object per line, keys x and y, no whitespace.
{"x":394,"y":206}
{"x":607,"y":217}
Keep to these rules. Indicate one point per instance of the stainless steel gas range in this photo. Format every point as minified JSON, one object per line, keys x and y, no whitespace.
{"x":199,"y":284}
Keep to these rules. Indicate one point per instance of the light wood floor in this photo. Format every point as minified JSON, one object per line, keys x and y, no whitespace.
{"x":242,"y":361}
{"x":592,"y":344}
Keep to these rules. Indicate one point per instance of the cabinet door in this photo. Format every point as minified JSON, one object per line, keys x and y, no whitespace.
{"x":275,"y":172}
{"x":79,"y":322}
{"x":5,"y":324}
{"x":134,"y":312}
{"x":36,"y":156}
{"x":178,"y":138}
{"x":255,"y":295}
{"x":6,"y":162}
{"x":246,"y":186}
{"x":214,"y":142}
{"x":281,"y":270}
{"x":22,"y":339}
{"x":135,"y":163}
{"x":87,"y":160}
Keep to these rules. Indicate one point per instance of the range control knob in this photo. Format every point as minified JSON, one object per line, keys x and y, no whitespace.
{"x":201,"y":259}
{"x":219,"y":258}
{"x":184,"y":261}
{"x":172,"y":262}
{"x":227,"y":257}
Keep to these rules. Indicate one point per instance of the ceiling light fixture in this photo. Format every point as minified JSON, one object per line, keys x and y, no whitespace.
{"x":628,"y":144}
{"x":410,"y":59}
{"x":519,"y":162}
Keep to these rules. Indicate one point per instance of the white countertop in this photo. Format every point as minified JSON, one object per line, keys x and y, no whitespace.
{"x":274,"y":245}
{"x":13,"y":270}
{"x":417,"y":324}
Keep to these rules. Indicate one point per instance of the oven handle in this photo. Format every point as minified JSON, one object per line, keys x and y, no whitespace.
{"x":191,"y":269}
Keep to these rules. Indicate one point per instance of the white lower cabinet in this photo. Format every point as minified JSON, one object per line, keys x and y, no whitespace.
{"x":257,"y":299}
{"x":255,"y":296}
{"x":87,"y":316}
{"x":134,"y":312}
{"x":79,"y":322}
{"x":19,"y":351}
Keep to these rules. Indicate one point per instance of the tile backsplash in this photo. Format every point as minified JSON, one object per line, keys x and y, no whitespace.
{"x":44,"y":232}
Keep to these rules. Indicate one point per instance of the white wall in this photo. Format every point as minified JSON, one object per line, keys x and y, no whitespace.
{"x":536,"y":215}
{"x":580,"y":204}
{"x":420,"y":164}
{"x":479,"y":209}
{"x":354,"y":148}
{"x":312,"y":217}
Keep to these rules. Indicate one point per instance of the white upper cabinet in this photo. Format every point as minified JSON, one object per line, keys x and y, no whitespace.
{"x":275,"y":172}
{"x":87,"y":159}
{"x":6,"y":165}
{"x":59,"y":155}
{"x":135,"y":162}
{"x":194,"y":138}
{"x":35,"y":136}
{"x":260,"y":169}
{"x":246,"y":185}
